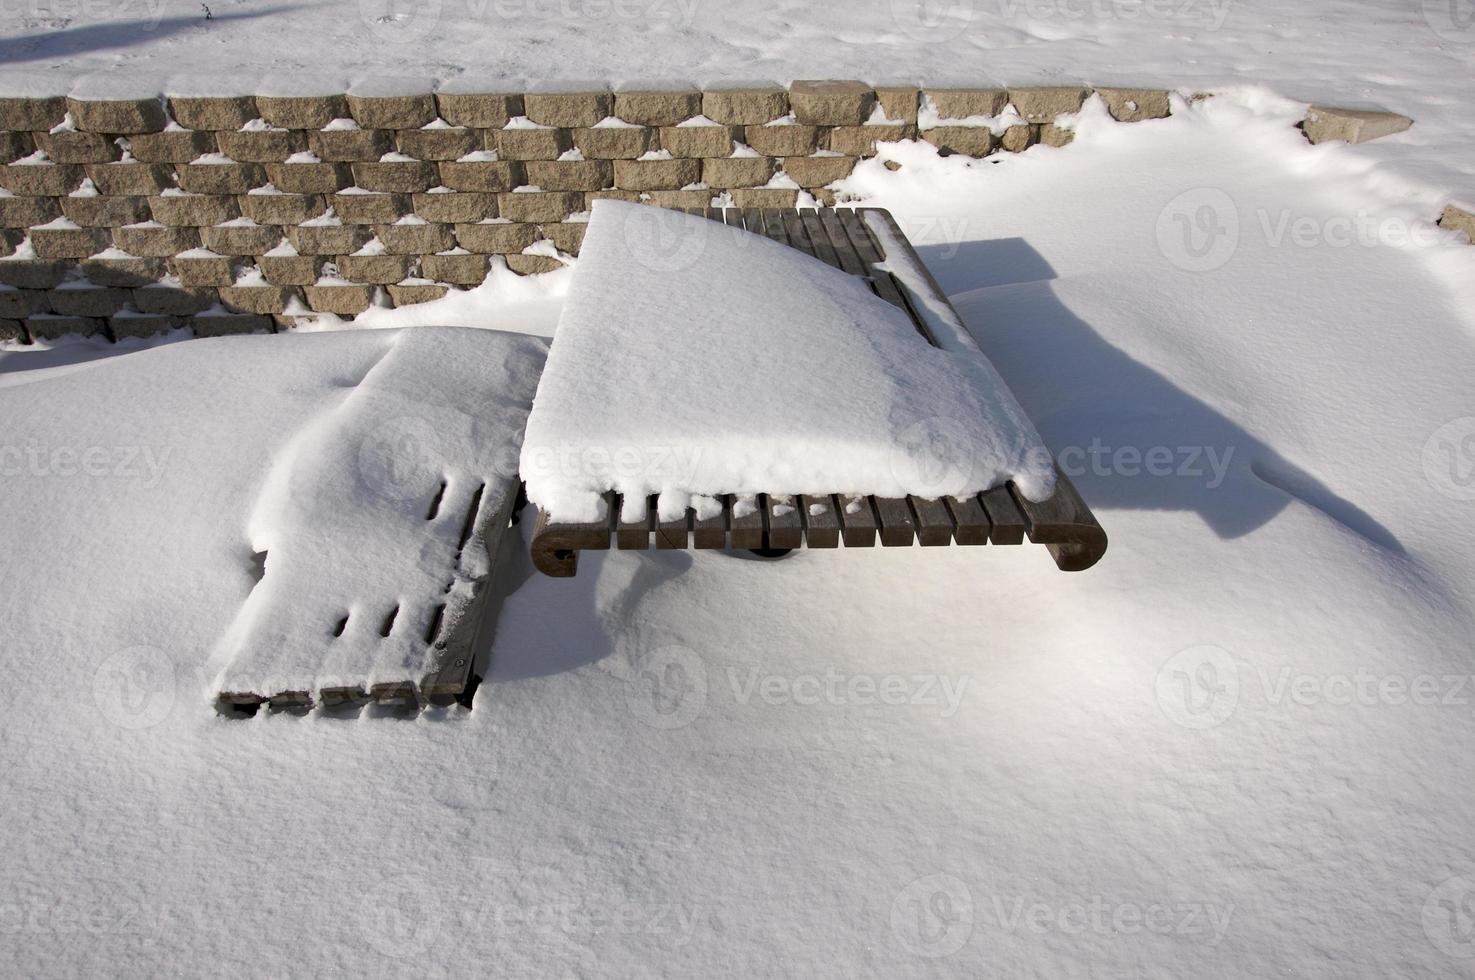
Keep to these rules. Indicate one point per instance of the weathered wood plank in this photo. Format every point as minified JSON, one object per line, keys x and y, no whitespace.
{"x":711,"y":532}
{"x":1005,"y":516}
{"x":845,"y":251}
{"x":555,"y":547}
{"x":970,"y":521}
{"x":633,"y":533}
{"x":819,"y":241}
{"x":858,"y":523}
{"x":821,"y":525}
{"x":898,"y":530}
{"x":772,"y":224}
{"x":785,"y":527}
{"x":673,"y":535}
{"x":1064,"y":525}
{"x":934,"y":523}
{"x":747,"y":529}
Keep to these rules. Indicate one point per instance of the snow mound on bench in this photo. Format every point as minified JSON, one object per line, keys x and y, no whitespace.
{"x":694,"y":359}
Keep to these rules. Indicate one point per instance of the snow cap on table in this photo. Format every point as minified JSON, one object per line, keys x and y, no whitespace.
{"x":697,"y":359}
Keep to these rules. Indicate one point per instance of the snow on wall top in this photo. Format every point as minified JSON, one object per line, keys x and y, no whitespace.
{"x":693,"y":359}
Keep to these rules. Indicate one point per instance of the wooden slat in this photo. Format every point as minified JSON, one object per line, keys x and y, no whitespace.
{"x":1064,"y":525}
{"x":634,"y":535}
{"x":711,"y":532}
{"x":747,"y":531}
{"x":898,"y":530}
{"x":821,"y":530}
{"x":857,"y":527}
{"x":970,"y":521}
{"x":819,"y":242}
{"x":673,"y":535}
{"x":845,"y":251}
{"x":785,"y":528}
{"x":772,"y":223}
{"x":555,"y":547}
{"x":1004,"y":515}
{"x":934,"y":523}
{"x":884,"y":283}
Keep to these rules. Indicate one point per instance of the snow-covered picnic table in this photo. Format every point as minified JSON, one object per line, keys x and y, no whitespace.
{"x":774,"y":379}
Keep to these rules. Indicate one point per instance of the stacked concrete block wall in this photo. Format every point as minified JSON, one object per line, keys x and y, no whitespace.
{"x":126,"y":213}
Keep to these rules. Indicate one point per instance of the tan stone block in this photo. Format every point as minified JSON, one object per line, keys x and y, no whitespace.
{"x":171,"y":146}
{"x":613,"y":142}
{"x":340,"y":299}
{"x":256,"y":299}
{"x":496,"y":238}
{"x":192,"y":210}
{"x":311,"y":239}
{"x":214,"y":112}
{"x":484,"y":176}
{"x":376,"y":269}
{"x":1041,"y":104}
{"x":359,"y":208}
{"x":309,"y":178}
{"x":812,"y":172}
{"x":568,"y":236}
{"x":261,"y":145}
{"x":68,"y":243}
{"x":199,"y":270}
{"x":17,"y":304}
{"x":860,"y":141}
{"x":302,"y":112}
{"x":241,"y":239}
{"x":173,"y":300}
{"x":479,"y":111}
{"x":409,"y":294}
{"x":682,"y":199}
{"x":1052,"y":135}
{"x":829,"y":102}
{"x":290,"y":270}
{"x":961,"y":103}
{"x":1135,"y":104}
{"x":34,"y":273}
{"x":530,"y":144}
{"x":462,"y":270}
{"x":613,"y":194}
{"x":1016,"y":139}
{"x":696,"y":141}
{"x":220,"y":178}
{"x":1324,"y":123}
{"x":75,"y":146}
{"x":1458,"y":219}
{"x":126,"y":271}
{"x":14,"y":145}
{"x":765,"y":197}
{"x":349,"y":145}
{"x":745,"y":106}
{"x":567,"y":110}
{"x":99,"y":211}
{"x":40,"y":179}
{"x":531,"y":265}
{"x":899,"y":102}
{"x":395,"y":176}
{"x":538,"y":207}
{"x":215,"y":324}
{"x":972,"y":141}
{"x":438,"y":144}
{"x":651,"y":107}
{"x":656,"y":175}
{"x":782,"y":141}
{"x":727,"y":172}
{"x":130,"y":323}
{"x":570,"y":175}
{"x":392,"y":111}
{"x":54,"y":326}
{"x":149,"y":239}
{"x":118,"y":115}
{"x":97,"y":301}
{"x":32,"y":114}
{"x":23,"y":212}
{"x":131,"y":179}
{"x":459,"y":207}
{"x":281,"y":209}
{"x":415,"y":239}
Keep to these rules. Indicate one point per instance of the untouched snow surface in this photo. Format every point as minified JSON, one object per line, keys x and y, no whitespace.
{"x":697,"y":359}
{"x":1238,"y":747}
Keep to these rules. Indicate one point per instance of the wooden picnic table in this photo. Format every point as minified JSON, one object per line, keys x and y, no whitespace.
{"x":840,"y":237}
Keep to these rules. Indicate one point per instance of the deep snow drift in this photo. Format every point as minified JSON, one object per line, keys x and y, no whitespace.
{"x":1238,"y":747}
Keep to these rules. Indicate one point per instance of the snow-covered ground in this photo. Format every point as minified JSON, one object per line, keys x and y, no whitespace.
{"x":1237,"y":747}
